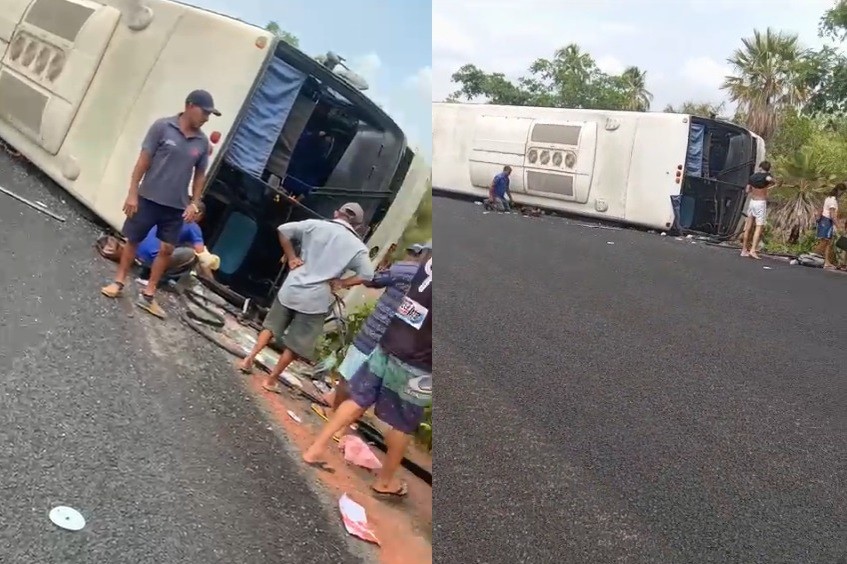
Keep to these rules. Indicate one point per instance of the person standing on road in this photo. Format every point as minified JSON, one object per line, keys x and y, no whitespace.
{"x":397,"y":380}
{"x":396,"y":281}
{"x":499,"y":190}
{"x":757,"y":188}
{"x":827,"y":222}
{"x":173,"y":150}
{"x":296,"y":319}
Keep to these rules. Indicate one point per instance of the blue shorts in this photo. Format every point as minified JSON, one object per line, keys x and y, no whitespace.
{"x":166,"y":220}
{"x":825,"y":228}
{"x":353,"y":360}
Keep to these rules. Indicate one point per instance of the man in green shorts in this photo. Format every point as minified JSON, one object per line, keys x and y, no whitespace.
{"x":328,"y":249}
{"x":396,"y":379}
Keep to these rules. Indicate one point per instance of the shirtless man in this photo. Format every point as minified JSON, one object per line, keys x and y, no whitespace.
{"x":757,"y":187}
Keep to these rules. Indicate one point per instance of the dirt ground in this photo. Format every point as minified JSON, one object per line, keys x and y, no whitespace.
{"x":404,"y":528}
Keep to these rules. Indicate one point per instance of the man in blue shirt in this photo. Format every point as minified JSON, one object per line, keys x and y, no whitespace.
{"x":499,"y":190}
{"x":184,"y":257}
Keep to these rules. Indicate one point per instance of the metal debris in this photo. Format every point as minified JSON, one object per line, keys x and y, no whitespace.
{"x":33,"y":205}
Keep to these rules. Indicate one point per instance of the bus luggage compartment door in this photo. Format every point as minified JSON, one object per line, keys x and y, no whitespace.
{"x":559,"y":159}
{"x":50,"y":63}
{"x":498,"y":141}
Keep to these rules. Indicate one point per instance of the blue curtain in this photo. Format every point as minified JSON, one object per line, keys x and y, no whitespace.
{"x":694,"y":158}
{"x":256,"y":135}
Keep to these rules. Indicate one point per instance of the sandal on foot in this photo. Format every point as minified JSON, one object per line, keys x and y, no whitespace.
{"x":401,"y":492}
{"x":244,"y":370}
{"x":275,"y":389}
{"x":151,"y":306}
{"x":113,"y":290}
{"x":322,"y":466}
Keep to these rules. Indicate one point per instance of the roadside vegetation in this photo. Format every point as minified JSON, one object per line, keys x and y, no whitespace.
{"x":793,"y":96}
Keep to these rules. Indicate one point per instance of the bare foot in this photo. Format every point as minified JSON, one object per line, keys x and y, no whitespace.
{"x":311,"y":456}
{"x":246,"y":365}
{"x":755,"y":255}
{"x":744,"y":253}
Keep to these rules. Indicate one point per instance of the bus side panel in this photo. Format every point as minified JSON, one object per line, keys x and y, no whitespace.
{"x":452,"y":135}
{"x":11,"y":13}
{"x":659,"y":148}
{"x":203,"y":51}
{"x":403,"y":208}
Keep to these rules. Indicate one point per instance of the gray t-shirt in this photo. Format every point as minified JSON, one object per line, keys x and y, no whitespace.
{"x":173,"y":159}
{"x":328,"y":250}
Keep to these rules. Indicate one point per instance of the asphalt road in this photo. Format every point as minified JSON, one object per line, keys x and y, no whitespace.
{"x":650,"y":400}
{"x":138,"y":424}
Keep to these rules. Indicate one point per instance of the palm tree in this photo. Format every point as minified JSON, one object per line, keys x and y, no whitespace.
{"x":572,"y":60}
{"x":768,"y":78}
{"x":637,"y":97}
{"x":799,"y":197}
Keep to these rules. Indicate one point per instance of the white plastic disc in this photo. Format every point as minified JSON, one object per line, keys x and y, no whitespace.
{"x":67,"y":518}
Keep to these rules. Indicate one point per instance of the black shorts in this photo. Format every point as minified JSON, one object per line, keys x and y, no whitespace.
{"x":167,"y":221}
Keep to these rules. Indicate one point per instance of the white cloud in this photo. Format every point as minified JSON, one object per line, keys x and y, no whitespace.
{"x":367,"y":66}
{"x":421,"y":83}
{"x":705,"y":71}
{"x":610,"y":65}
{"x":681,"y":62}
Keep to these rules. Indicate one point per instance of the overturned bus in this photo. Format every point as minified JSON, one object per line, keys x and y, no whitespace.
{"x":81,"y":81}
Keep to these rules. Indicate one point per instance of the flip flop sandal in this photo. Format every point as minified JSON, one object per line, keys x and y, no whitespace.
{"x":397,"y":494}
{"x":151,"y":307}
{"x":245,"y":371}
{"x":106,"y":290}
{"x":275,"y":389}
{"x":322,"y":466}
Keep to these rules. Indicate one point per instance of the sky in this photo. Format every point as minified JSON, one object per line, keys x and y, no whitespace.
{"x":388,"y":42}
{"x":682,"y":44}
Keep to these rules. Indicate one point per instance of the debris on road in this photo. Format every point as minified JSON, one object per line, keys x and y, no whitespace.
{"x":294,"y":416}
{"x":357,"y":452}
{"x":67,"y":518}
{"x":767,"y":268}
{"x":610,"y":242}
{"x":33,"y":205}
{"x":356,"y":519}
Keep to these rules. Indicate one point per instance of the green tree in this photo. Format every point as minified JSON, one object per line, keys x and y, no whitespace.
{"x":283,"y":35}
{"x":833,"y":24}
{"x":702,"y":109}
{"x":634,"y":85}
{"x":771,"y":75}
{"x":571,"y":79}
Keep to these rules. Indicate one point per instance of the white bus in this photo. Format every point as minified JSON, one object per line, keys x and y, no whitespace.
{"x":643,"y":169}
{"x":82,"y":80}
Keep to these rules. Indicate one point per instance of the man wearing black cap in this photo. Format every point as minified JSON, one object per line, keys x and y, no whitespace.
{"x":173,"y":150}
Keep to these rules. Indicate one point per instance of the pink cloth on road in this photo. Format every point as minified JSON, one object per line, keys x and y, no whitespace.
{"x":357,"y":452}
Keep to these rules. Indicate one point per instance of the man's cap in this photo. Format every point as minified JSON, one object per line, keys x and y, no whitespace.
{"x":353,"y":212}
{"x":204,"y":100}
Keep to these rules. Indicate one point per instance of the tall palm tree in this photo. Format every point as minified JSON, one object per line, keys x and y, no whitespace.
{"x":768,"y":69}
{"x":574,"y":61}
{"x":637,"y":97}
